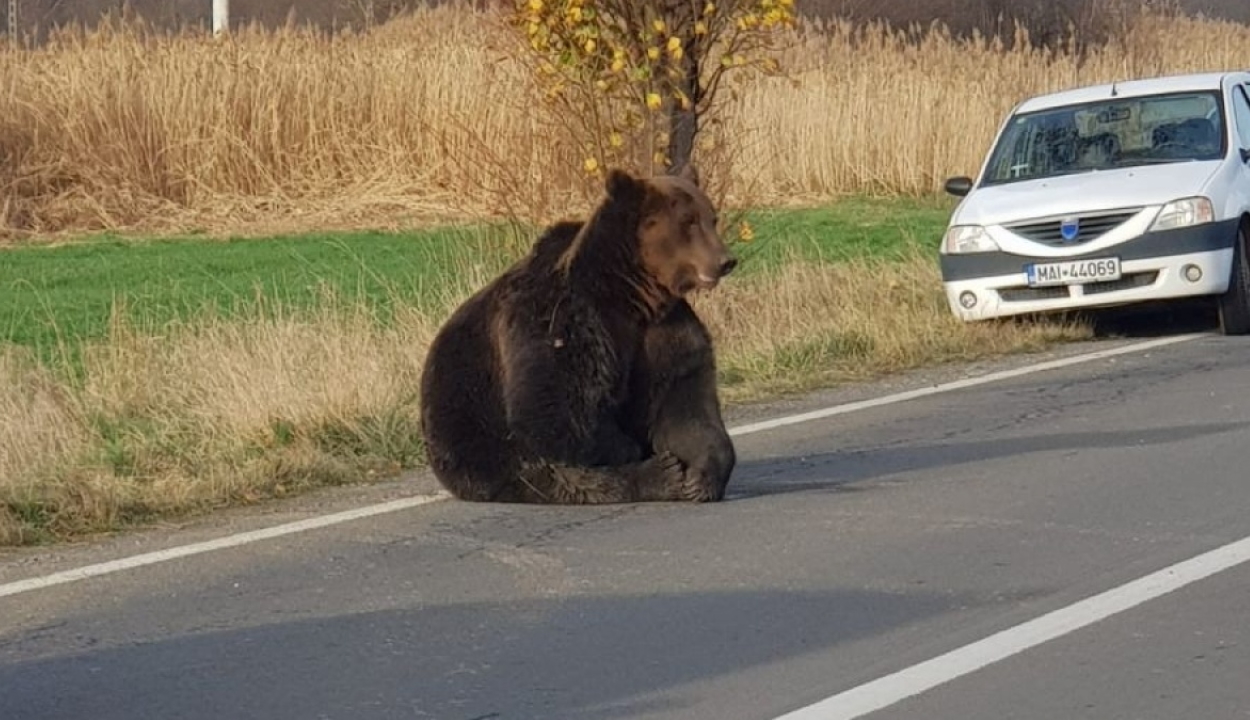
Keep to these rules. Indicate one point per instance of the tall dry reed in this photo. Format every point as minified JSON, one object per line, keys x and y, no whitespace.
{"x":428,"y":117}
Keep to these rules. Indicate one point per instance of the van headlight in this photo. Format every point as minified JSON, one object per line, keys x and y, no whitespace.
{"x":963,"y":239}
{"x":1183,"y":213}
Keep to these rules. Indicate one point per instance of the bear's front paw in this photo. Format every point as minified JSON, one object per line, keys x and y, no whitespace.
{"x":697,"y":487}
{"x":660,"y":478}
{"x":670,"y":468}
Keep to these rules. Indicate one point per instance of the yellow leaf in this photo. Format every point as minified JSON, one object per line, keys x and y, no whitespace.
{"x":746,"y":233}
{"x":700,"y":28}
{"x":591,"y":165}
{"x":709,"y":8}
{"x":615,"y":140}
{"x":536,"y":5}
{"x":590,"y":45}
{"x":653,"y":52}
{"x":618,"y":65}
{"x":674,"y":44}
{"x":658,"y":25}
{"x":653,"y":100}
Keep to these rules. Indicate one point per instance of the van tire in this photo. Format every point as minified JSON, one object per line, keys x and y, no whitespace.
{"x":1234,"y":304}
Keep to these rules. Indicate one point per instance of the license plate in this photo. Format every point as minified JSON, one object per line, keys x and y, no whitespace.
{"x":1073,"y":272}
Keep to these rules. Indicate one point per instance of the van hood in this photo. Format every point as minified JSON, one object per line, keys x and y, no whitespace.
{"x":1090,"y":191}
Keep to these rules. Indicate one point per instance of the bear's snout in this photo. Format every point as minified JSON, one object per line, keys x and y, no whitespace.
{"x":714,"y":271}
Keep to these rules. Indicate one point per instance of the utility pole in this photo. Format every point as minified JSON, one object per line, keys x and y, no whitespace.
{"x":13,"y":21}
{"x":221,"y":16}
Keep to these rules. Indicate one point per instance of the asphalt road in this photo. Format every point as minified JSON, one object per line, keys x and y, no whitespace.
{"x":850,"y":547}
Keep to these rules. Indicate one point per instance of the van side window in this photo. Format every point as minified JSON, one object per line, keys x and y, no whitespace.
{"x":1241,"y":115}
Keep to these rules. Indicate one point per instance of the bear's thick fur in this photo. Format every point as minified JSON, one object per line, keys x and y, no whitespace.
{"x":674,"y":384}
{"x":526,"y":390}
{"x":673,"y":402}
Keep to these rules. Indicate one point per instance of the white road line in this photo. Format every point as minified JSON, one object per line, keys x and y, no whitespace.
{"x":890,"y":689}
{"x":36,"y":583}
{"x":958,"y":385}
{"x":244,"y":538}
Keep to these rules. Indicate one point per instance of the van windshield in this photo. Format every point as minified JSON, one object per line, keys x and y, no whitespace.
{"x":1108,"y":134}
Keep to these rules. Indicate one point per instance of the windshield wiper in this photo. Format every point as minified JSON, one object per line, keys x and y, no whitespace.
{"x":1152,"y":161}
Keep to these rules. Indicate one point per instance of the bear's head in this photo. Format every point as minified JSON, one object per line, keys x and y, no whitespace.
{"x":678,"y":242}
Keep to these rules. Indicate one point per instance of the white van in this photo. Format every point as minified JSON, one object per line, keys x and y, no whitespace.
{"x":1109,"y":195}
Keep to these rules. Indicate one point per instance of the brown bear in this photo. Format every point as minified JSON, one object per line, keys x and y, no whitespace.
{"x":525,"y":387}
{"x":673,"y":403}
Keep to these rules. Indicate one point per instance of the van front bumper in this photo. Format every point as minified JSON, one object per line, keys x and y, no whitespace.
{"x":1152,"y":268}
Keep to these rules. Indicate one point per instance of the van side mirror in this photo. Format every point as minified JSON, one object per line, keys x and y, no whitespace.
{"x":959,"y":186}
{"x":1245,"y":154}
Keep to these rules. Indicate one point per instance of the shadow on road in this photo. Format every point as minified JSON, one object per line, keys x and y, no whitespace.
{"x":1162,"y":320}
{"x":575,"y":657}
{"x":1146,"y":320}
{"x":839,"y":471}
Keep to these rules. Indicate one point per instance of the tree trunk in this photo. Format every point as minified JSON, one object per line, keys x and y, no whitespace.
{"x":683,"y":124}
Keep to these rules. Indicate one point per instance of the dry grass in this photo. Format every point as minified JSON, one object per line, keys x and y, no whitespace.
{"x":41,"y":434}
{"x":428,"y":117}
{"x":215,"y":411}
{"x":206,"y":413}
{"x":803,"y":325}
{"x":128,"y":128}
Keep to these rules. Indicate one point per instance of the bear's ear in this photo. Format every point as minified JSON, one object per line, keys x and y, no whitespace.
{"x":620,"y":184}
{"x":689,"y":172}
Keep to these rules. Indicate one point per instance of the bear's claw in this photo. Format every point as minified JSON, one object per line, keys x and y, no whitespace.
{"x":670,"y":468}
{"x":662,"y":477}
{"x":696,"y":488}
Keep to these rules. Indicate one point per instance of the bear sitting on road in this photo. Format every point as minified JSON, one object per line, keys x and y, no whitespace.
{"x":673,"y":404}
{"x":527,"y":387}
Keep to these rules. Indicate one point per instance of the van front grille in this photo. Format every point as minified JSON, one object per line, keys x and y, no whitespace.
{"x":1126,"y":282}
{"x":1028,"y":294}
{"x":1050,"y":232}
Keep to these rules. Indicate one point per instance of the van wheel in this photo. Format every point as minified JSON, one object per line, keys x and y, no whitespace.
{"x":1235,"y":302}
